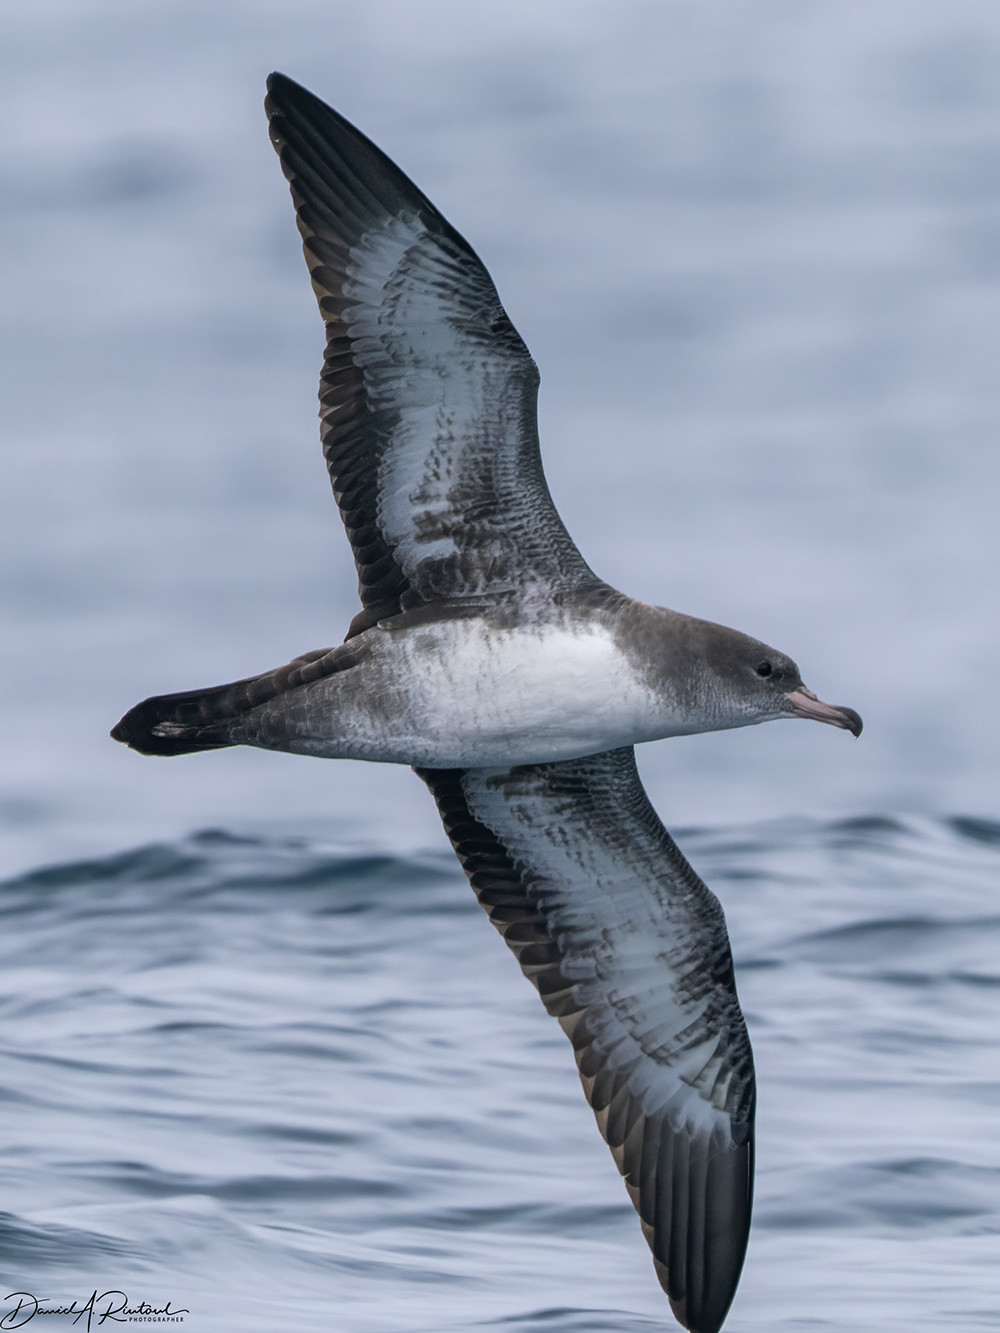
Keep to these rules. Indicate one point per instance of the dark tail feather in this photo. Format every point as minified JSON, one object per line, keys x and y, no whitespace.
{"x":182,"y":723}
{"x":203,"y":719}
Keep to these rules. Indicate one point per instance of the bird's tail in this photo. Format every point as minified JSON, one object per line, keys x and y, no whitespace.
{"x":208,"y":719}
{"x":182,"y":723}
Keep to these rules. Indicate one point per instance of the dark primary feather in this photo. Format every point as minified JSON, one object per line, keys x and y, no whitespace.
{"x":628,"y":949}
{"x":428,"y":393}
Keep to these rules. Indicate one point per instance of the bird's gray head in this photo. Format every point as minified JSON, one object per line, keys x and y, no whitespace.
{"x":741,"y":681}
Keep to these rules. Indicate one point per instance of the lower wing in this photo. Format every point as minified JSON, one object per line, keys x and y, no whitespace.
{"x":628,"y":949}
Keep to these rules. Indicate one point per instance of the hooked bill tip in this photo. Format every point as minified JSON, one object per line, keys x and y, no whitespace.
{"x":805,"y":704}
{"x":854,"y":724}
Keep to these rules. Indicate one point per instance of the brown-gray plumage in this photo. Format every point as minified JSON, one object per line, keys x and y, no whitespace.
{"x":628,"y":949}
{"x":489,"y":656}
{"x":428,"y":394}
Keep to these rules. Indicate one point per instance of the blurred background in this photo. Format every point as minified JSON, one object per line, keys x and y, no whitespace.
{"x":754,"y":248}
{"x":260,"y":1054}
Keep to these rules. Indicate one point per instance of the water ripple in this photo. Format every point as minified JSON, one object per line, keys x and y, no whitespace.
{"x":266,"y":1058}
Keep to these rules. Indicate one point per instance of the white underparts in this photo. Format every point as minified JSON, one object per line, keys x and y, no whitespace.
{"x":464,"y":693}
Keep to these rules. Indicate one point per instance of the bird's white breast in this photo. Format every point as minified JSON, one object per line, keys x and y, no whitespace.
{"x":469,"y":694}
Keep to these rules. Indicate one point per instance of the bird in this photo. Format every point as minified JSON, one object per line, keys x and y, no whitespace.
{"x":490,"y":658}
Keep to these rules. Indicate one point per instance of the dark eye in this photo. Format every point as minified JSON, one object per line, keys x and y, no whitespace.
{"x":764,"y":669}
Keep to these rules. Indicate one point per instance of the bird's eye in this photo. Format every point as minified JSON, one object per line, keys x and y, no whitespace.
{"x":764,"y":669}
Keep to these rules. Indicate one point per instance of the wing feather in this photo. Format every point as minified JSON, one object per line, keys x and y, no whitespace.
{"x":628,"y":949}
{"x":428,"y":394}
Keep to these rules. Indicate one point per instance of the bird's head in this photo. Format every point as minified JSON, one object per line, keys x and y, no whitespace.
{"x":741,"y":681}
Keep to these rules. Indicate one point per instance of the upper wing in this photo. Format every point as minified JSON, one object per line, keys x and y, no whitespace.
{"x":629,"y":950}
{"x":428,"y":393}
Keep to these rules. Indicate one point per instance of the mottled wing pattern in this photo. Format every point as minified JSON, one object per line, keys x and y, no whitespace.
{"x":628,"y":949}
{"x":428,"y":394}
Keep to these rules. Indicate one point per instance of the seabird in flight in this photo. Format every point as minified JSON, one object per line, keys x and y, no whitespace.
{"x":490,"y":657}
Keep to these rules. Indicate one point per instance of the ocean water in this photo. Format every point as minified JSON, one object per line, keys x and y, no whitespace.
{"x":262,"y":1057}
{"x":282,"y":1082}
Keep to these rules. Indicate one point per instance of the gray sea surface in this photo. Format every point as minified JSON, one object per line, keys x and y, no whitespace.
{"x":262,"y":1056}
{"x":290,"y":1083}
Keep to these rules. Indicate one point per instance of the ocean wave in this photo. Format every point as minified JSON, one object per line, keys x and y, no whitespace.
{"x":311,"y":1067}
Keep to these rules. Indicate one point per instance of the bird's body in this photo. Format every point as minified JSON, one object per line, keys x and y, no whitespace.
{"x":491,"y":658}
{"x":457,"y":693}
{"x":522,"y":682}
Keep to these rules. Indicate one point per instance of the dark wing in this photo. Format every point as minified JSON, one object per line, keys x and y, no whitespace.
{"x":628,"y":949}
{"x":427,"y":394}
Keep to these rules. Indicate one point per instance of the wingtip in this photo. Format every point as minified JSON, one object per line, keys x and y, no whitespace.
{"x":701,"y":1229}
{"x":279,"y":89}
{"x":274,"y":85}
{"x":280,"y":86}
